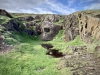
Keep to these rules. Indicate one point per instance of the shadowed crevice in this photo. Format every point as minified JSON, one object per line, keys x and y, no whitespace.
{"x":52,"y":52}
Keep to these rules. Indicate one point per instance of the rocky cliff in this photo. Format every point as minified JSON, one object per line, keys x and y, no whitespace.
{"x":84,"y":23}
{"x":46,"y":25}
{"x":48,"y":28}
{"x":89,"y":28}
{"x":71,"y":27}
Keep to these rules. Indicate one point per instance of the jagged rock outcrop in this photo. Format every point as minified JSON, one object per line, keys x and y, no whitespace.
{"x":46,"y":25}
{"x":89,"y":28}
{"x":12,"y":25}
{"x":48,"y":28}
{"x":3,"y":12}
{"x":71,"y":27}
{"x":52,"y":18}
{"x":30,"y":24}
{"x":87,"y":25}
{"x":15,"y":25}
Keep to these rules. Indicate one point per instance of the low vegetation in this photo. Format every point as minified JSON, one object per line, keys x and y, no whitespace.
{"x":29,"y":57}
{"x":59,"y":22}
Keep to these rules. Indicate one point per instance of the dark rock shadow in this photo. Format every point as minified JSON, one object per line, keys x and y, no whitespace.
{"x":52,"y":52}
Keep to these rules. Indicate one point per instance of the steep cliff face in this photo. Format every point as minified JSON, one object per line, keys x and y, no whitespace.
{"x":48,"y":28}
{"x":71,"y":27}
{"x":28,"y":24}
{"x":89,"y":27}
{"x":48,"y":25}
{"x":16,"y":25}
{"x":85,"y":24}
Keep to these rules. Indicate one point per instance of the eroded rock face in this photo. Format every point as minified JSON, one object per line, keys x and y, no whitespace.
{"x":48,"y":28}
{"x":14,"y":25}
{"x":71,"y":27}
{"x":83,"y":24}
{"x":52,"y":18}
{"x":89,"y":28}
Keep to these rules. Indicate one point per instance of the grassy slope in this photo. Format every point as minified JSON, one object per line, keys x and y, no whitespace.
{"x":29,"y":58}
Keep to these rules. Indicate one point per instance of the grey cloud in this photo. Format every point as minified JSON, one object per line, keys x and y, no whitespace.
{"x":19,"y":4}
{"x":36,"y":6}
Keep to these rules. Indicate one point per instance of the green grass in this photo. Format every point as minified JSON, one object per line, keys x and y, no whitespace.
{"x":27,"y":60}
{"x":59,"y":43}
{"x":59,"y":22}
{"x":4,"y":19}
{"x":29,"y":57}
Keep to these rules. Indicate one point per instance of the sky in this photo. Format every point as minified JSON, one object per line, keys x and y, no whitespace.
{"x":48,"y":6}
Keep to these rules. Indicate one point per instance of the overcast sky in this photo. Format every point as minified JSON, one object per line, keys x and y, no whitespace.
{"x":48,"y":6}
